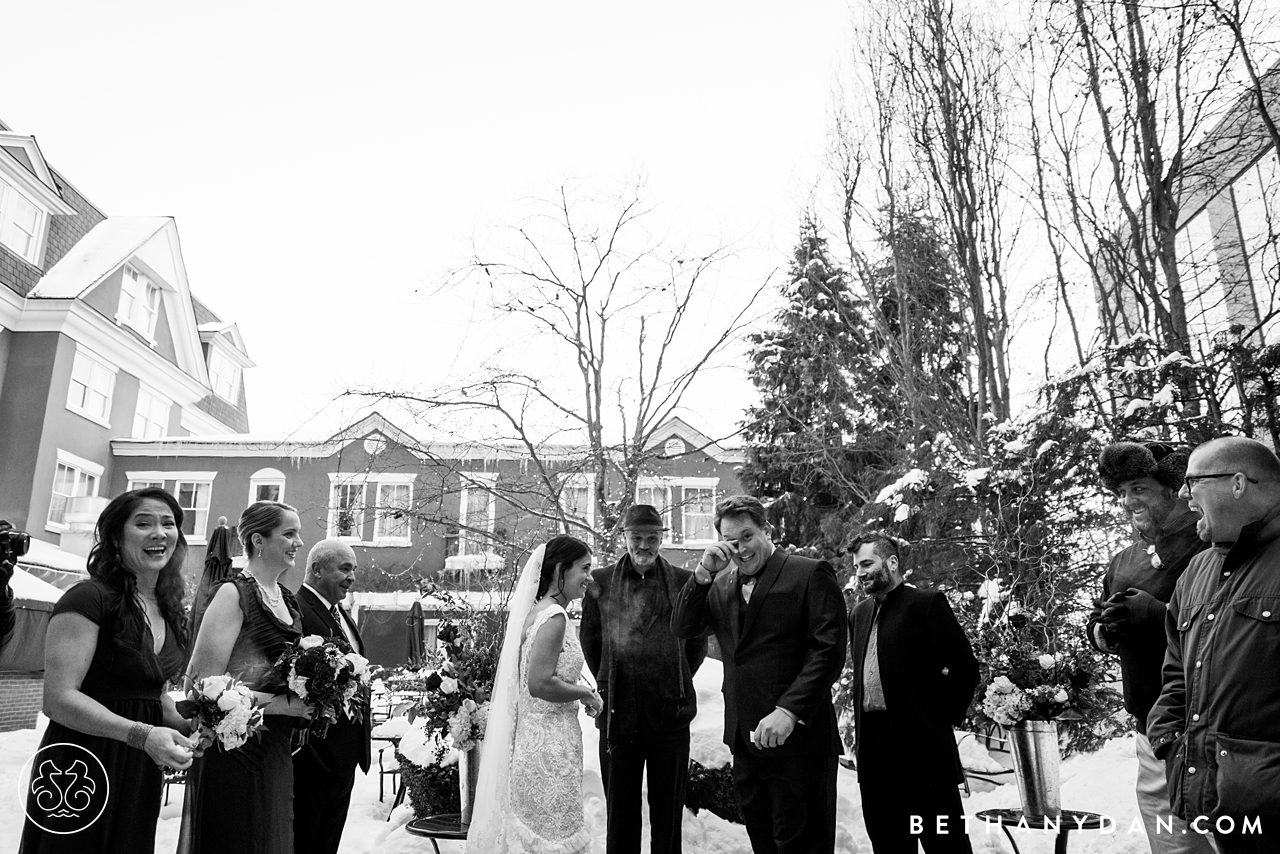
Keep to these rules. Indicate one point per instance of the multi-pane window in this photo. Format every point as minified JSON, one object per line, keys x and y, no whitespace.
{"x":224,"y":375}
{"x":346,"y":510}
{"x":139,"y":302}
{"x":193,"y":497}
{"x":266,"y":485}
{"x":698,"y":514}
{"x":659,"y":496}
{"x":145,"y":484}
{"x":20,"y":222}
{"x":477,"y":520}
{"x":92,"y":381}
{"x":151,"y":418}
{"x":392,"y":522}
{"x":70,"y":480}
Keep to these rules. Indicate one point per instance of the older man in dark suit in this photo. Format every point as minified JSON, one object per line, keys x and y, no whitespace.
{"x":914,"y":675}
{"x":780,"y":623}
{"x":324,"y":768}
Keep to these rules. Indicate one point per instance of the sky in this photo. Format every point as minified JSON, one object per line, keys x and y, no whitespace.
{"x":329,"y":164}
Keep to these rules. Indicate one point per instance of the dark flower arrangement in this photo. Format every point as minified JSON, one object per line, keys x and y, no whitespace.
{"x":328,"y":678}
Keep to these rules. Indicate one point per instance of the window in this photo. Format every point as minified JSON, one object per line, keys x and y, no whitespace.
{"x":266,"y":485}
{"x":697,"y":514}
{"x":224,"y":375}
{"x":658,"y":495}
{"x":92,"y":381}
{"x":21,"y":223}
{"x":193,"y":497}
{"x":346,"y":511}
{"x":145,"y":484}
{"x":73,"y":477}
{"x":392,"y":521}
{"x":139,"y":302}
{"x":151,"y":418}
{"x":578,"y":502}
{"x":476,"y":510}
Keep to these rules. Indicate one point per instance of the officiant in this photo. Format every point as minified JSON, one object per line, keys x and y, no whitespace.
{"x":645,"y":675}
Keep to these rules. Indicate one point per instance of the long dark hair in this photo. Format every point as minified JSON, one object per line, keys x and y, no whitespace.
{"x":105,"y":563}
{"x":561,"y":551}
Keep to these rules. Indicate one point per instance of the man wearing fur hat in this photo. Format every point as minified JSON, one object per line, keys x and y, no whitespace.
{"x":1129,"y":618}
{"x":645,"y":675}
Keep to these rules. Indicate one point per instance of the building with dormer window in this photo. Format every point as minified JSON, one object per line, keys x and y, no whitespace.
{"x":100,"y":338}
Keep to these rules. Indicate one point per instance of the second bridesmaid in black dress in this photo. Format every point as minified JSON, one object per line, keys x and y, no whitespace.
{"x":242,"y":800}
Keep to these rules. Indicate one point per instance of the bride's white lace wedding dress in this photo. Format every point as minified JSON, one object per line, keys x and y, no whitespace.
{"x":546,"y":759}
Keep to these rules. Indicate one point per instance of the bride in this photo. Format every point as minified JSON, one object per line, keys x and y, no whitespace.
{"x":529,"y":796}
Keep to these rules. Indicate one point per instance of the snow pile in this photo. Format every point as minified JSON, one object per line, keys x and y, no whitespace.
{"x":1100,"y":782}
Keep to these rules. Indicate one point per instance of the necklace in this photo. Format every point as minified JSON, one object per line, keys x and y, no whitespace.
{"x":271,"y":600}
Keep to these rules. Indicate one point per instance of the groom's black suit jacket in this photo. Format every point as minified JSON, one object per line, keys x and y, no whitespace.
{"x":784,"y":648}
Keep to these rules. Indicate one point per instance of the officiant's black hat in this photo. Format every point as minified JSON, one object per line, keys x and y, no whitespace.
{"x":643,"y":516}
{"x":1122,"y":461}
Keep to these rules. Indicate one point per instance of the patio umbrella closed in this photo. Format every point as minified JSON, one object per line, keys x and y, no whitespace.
{"x":417,"y":624}
{"x":217,"y":567}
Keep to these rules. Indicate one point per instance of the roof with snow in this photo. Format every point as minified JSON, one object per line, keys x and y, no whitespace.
{"x":97,"y":254}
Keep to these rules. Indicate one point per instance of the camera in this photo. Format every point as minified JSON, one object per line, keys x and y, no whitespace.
{"x":13,"y":545}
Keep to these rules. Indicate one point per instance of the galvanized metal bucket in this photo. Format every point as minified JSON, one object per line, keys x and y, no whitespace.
{"x":468,"y":778}
{"x":1035,"y":761}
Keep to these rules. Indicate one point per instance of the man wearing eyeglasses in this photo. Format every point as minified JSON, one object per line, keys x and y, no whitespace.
{"x":1216,"y":723}
{"x":1128,"y":619}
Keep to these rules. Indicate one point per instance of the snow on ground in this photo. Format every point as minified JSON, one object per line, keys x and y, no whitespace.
{"x":1100,"y":782}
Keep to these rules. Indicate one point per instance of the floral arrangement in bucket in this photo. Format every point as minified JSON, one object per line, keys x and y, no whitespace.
{"x":1035,"y":672}
{"x":455,"y":699}
{"x":1036,"y":677}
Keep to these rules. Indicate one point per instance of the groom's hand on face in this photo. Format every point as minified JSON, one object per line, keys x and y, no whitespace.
{"x":773,"y":729}
{"x":716,"y":558}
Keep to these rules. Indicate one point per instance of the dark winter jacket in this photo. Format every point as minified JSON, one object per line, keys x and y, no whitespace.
{"x":644,"y":672}
{"x":1217,"y":720}
{"x":1143,"y":643}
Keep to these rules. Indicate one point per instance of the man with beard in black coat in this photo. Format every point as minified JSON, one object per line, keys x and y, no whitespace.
{"x":914,"y":675}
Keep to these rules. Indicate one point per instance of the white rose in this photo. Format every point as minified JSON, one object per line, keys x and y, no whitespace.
{"x":448,"y":685}
{"x":1002,"y":685}
{"x":298,"y":685}
{"x":310,"y":642}
{"x":230,"y":700}
{"x":1046,"y":662}
{"x":213,"y":686}
{"x":1060,"y":697}
{"x":469,"y":705}
{"x":359,"y":664}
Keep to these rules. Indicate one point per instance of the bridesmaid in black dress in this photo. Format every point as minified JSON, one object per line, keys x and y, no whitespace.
{"x":242,"y":800}
{"x":112,"y":643}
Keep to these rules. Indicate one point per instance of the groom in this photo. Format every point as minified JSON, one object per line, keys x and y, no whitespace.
{"x":780,"y":623}
{"x":324,"y":769}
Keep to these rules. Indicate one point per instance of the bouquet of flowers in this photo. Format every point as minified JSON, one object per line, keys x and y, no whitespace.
{"x":225,"y":710}
{"x":455,"y":701}
{"x":328,"y":679}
